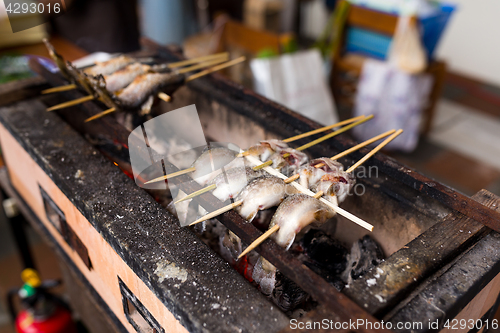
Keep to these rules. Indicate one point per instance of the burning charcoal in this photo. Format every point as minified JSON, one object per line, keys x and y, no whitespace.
{"x":325,"y":251}
{"x":325,"y":256}
{"x":365,"y":254}
{"x":231,"y":243}
{"x":287,"y":294}
{"x":264,"y":273}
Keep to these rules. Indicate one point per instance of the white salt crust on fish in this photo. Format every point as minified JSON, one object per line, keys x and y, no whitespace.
{"x":262,"y":193}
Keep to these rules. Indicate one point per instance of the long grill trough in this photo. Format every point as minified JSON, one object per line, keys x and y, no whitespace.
{"x":73,"y":178}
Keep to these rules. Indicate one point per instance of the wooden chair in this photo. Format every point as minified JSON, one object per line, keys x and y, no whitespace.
{"x":347,"y":66}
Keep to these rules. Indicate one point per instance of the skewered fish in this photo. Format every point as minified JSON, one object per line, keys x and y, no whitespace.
{"x":265,"y":148}
{"x":288,"y":160}
{"x":210,"y":163}
{"x":262,"y":193}
{"x":110,"y":66}
{"x":146,"y":85}
{"x":330,"y":178}
{"x":293,"y":214}
{"x":231,"y":182}
{"x":123,"y":77}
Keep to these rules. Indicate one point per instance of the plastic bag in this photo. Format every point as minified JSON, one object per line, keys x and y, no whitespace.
{"x":407,"y":52}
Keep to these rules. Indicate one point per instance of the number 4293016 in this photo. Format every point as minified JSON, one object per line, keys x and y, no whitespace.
{"x":40,"y":8}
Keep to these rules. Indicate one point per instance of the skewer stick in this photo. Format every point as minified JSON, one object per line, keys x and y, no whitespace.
{"x":359,"y":146}
{"x":268,"y":233}
{"x":196,"y":60}
{"x":60,"y":88}
{"x":214,"y":69}
{"x":374,"y":150}
{"x":301,"y":189}
{"x":101,"y":114}
{"x":218,"y":212}
{"x":203,"y":65}
{"x":259,"y":240}
{"x":315,"y":142}
{"x":164,"y":97}
{"x":199,"y":192}
{"x":322,"y":129}
{"x":174,"y":174}
{"x":71,"y":103}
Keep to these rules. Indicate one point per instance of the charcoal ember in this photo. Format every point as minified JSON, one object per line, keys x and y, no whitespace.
{"x":365,"y":254}
{"x":231,"y":243}
{"x":287,"y":295}
{"x":264,"y":274}
{"x":325,"y":256}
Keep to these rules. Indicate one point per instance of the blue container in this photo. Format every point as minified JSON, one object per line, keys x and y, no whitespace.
{"x":376,"y":45}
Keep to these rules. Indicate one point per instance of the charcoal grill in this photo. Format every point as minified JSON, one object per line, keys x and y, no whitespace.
{"x":143,"y":270}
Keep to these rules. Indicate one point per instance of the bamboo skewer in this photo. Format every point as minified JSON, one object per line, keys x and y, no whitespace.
{"x":197,"y":193}
{"x":316,"y":131}
{"x":242,"y":154}
{"x":269,"y":232}
{"x":174,"y":174}
{"x":301,"y":189}
{"x":60,"y":88}
{"x":71,"y":103}
{"x":259,"y":240}
{"x":164,"y":97}
{"x":100,"y":114}
{"x":197,"y":60}
{"x":218,"y":212}
{"x":214,"y":69}
{"x":322,"y":129}
{"x":376,"y":149}
{"x":359,"y":146}
{"x":202,"y":65}
{"x":315,"y":142}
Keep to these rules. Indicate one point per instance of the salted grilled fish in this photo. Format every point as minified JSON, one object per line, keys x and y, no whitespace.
{"x":208,"y":165}
{"x":330,"y":178}
{"x":265,"y":148}
{"x":262,"y":193}
{"x":146,"y":85}
{"x":296,"y":212}
{"x":231,"y":182}
{"x":125,"y":76}
{"x":290,"y":164}
{"x":110,"y":66}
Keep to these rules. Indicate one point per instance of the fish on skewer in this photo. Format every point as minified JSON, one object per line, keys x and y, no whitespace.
{"x":110,"y":66}
{"x":288,"y":160}
{"x":262,"y":193}
{"x":330,"y":178}
{"x":295,"y":213}
{"x":230,"y":183}
{"x":266,"y":148}
{"x":125,"y":76}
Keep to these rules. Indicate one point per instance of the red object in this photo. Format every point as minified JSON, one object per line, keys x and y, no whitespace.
{"x":59,"y":322}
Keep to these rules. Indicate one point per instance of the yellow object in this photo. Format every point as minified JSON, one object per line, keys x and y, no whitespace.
{"x":31,"y":277}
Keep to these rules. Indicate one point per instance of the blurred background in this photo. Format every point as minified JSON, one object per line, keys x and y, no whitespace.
{"x":429,"y":67}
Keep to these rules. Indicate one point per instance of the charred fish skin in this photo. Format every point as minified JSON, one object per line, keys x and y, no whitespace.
{"x":59,"y":60}
{"x":262,"y":193}
{"x":145,"y":85}
{"x":296,"y":212}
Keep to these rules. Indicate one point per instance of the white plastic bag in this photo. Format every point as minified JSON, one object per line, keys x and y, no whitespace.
{"x":407,"y":52}
{"x":297,"y":81}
